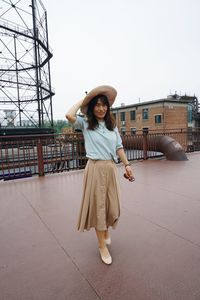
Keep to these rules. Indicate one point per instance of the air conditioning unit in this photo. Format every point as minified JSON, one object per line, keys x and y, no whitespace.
{"x":123,"y":123}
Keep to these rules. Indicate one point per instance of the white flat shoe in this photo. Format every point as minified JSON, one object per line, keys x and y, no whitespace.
{"x":106,"y":259}
{"x":108,"y":241}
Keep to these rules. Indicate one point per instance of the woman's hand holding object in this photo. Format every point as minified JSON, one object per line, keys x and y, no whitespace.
{"x":129,"y":174}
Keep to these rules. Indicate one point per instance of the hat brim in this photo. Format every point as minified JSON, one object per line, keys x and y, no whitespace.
{"x":105,"y":90}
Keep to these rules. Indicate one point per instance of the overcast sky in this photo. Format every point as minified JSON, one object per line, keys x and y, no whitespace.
{"x":146,"y":49}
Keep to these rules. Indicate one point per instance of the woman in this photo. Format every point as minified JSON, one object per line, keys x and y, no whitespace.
{"x":100,"y":207}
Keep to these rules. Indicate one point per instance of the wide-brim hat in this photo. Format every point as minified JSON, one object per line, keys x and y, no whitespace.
{"x":105,"y":90}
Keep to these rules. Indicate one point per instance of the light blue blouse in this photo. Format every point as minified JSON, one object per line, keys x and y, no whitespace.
{"x":101,"y":143}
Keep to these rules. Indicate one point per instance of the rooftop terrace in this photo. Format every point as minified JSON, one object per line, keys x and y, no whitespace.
{"x":155,"y":248}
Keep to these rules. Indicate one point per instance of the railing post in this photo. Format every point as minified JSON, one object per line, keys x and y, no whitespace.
{"x":145,"y":132}
{"x":40,"y":158}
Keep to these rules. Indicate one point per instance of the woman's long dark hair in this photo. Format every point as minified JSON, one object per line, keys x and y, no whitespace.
{"x":109,"y":118}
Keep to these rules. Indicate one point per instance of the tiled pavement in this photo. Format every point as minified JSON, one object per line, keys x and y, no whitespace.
{"x":155,"y":248}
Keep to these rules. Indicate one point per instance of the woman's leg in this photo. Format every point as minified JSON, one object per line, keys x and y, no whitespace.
{"x":102,"y":244}
{"x":101,"y":238}
{"x":107,"y":234}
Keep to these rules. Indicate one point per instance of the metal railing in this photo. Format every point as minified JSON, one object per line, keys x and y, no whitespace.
{"x":25,"y":156}
{"x":144,"y":145}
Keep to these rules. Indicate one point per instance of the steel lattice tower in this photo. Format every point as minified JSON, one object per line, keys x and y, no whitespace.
{"x":25,"y":81}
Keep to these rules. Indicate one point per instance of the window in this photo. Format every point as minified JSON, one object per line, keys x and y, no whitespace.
{"x":123,"y":130}
{"x":158,"y":119}
{"x":132,"y":115}
{"x":145,"y":130}
{"x":122,"y":116}
{"x":190,"y":117}
{"x":133,"y":130}
{"x":145,"y":114}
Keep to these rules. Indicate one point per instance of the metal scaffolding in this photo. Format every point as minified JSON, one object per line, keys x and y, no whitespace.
{"x":25,"y":80}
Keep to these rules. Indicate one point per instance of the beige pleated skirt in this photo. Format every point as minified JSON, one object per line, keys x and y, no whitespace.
{"x":100,"y":207}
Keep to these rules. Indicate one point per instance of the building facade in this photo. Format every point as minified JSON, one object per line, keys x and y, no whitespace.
{"x":158,"y":115}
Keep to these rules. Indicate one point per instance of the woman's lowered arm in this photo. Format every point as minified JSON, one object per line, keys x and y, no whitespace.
{"x":128,"y":169}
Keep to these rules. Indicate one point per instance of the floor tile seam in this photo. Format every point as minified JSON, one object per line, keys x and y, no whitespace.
{"x":174,"y":233}
{"x":163,"y":228}
{"x":61,"y":246}
{"x":173,"y":192}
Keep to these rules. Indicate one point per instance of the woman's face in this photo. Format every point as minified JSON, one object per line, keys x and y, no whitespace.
{"x":100,"y":110}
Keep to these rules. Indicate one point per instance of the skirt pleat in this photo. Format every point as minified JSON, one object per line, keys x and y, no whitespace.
{"x":100,"y":207}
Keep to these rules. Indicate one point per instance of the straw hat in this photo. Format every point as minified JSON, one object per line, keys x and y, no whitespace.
{"x":105,"y":90}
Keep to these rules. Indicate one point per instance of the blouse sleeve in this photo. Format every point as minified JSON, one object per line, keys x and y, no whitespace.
{"x":79,"y":123}
{"x":119,"y":140}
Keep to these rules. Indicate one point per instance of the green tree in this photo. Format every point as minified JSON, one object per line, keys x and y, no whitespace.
{"x":59,"y":125}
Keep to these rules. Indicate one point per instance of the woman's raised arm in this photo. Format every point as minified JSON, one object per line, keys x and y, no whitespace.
{"x":71,"y":114}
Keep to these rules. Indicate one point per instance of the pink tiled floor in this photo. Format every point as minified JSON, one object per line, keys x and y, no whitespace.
{"x":155,"y":248}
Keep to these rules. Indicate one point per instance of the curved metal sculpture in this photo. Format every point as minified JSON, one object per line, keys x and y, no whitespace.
{"x":170,"y":148}
{"x":25,"y":81}
{"x":160,"y":143}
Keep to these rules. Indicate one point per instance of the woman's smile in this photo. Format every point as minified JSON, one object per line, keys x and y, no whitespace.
{"x":100,"y":110}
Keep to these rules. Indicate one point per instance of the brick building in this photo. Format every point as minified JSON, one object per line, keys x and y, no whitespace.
{"x":173,"y":112}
